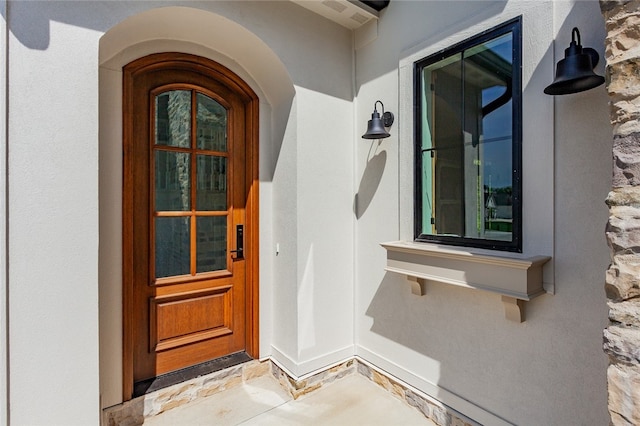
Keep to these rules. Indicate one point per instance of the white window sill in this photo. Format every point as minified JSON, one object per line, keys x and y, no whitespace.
{"x":516,"y":278}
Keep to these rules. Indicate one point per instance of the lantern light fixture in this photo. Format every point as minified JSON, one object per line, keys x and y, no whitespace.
{"x":377,"y":126}
{"x":575,"y":72}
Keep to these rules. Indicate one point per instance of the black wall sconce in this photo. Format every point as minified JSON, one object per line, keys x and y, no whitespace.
{"x":376,"y":127}
{"x":575,"y":72}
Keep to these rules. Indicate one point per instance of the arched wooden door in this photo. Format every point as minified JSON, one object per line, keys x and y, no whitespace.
{"x":190,"y":228}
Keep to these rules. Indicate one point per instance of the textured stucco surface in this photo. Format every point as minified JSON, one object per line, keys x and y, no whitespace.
{"x":454,"y":341}
{"x":328,"y":198}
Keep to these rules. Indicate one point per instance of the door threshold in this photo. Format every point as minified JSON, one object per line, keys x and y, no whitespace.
{"x":144,"y":387}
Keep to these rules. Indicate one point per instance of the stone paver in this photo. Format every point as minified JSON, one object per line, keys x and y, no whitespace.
{"x":262,"y":401}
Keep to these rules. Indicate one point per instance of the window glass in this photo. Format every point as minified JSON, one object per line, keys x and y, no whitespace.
{"x":173,"y":118}
{"x":172,"y":254}
{"x":211,"y":189}
{"x":212,"y":124}
{"x":190,"y":166}
{"x":468,"y":143}
{"x":172,"y":181}
{"x":211,"y":243}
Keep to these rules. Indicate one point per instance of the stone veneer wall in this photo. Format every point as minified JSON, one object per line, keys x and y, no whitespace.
{"x":622,"y":336}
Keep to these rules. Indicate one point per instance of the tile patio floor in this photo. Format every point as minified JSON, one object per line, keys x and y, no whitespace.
{"x":352,"y":400}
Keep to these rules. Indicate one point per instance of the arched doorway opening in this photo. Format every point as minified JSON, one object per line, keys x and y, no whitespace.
{"x":208,"y":35}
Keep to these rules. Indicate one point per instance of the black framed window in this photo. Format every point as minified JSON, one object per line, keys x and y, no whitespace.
{"x":468,"y":156}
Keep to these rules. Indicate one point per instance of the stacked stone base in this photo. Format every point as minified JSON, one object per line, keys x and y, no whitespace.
{"x":134,"y":412}
{"x":429,"y":407}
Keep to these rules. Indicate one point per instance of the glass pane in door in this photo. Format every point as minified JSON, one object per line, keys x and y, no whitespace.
{"x":211,"y":124}
{"x":172,"y":256}
{"x":211,"y":189}
{"x":211,"y":243}
{"x":173,"y":119}
{"x":172,"y":181}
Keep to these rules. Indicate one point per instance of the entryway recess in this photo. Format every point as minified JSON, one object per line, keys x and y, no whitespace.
{"x":190,"y":215}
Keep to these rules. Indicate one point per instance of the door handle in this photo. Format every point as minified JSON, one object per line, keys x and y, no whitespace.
{"x":239,"y":251}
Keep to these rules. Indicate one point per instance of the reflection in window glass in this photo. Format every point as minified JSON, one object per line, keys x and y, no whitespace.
{"x":469,"y":174}
{"x":190,"y":177}
{"x":211,"y":124}
{"x":211,"y":243}
{"x":172,"y":181}
{"x":211,"y":189}
{"x":172,"y":256}
{"x":173,"y":118}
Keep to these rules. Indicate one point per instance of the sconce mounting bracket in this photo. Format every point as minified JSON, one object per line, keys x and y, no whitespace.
{"x":387,"y":119}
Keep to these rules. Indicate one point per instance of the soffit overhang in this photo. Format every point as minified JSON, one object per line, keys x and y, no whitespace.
{"x":351,"y":14}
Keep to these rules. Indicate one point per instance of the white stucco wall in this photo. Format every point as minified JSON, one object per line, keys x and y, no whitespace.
{"x":327,"y":199}
{"x":293,"y":284}
{"x":65,"y":183}
{"x":53,"y":218}
{"x":455,"y":343}
{"x":4,"y":406}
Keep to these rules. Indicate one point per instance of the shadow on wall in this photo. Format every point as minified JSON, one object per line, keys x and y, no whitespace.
{"x":30,"y":22}
{"x":370,"y":181}
{"x":465,"y":343}
{"x":554,"y":359}
{"x":442,"y":18}
{"x":197,"y":32}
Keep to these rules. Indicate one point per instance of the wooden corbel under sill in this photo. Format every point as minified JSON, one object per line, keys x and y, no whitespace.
{"x":516,"y":278}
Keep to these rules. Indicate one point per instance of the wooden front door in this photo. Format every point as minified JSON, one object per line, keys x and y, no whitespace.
{"x":190,"y":215}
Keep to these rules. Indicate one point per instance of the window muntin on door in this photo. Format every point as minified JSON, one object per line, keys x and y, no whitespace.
{"x":190,"y":186}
